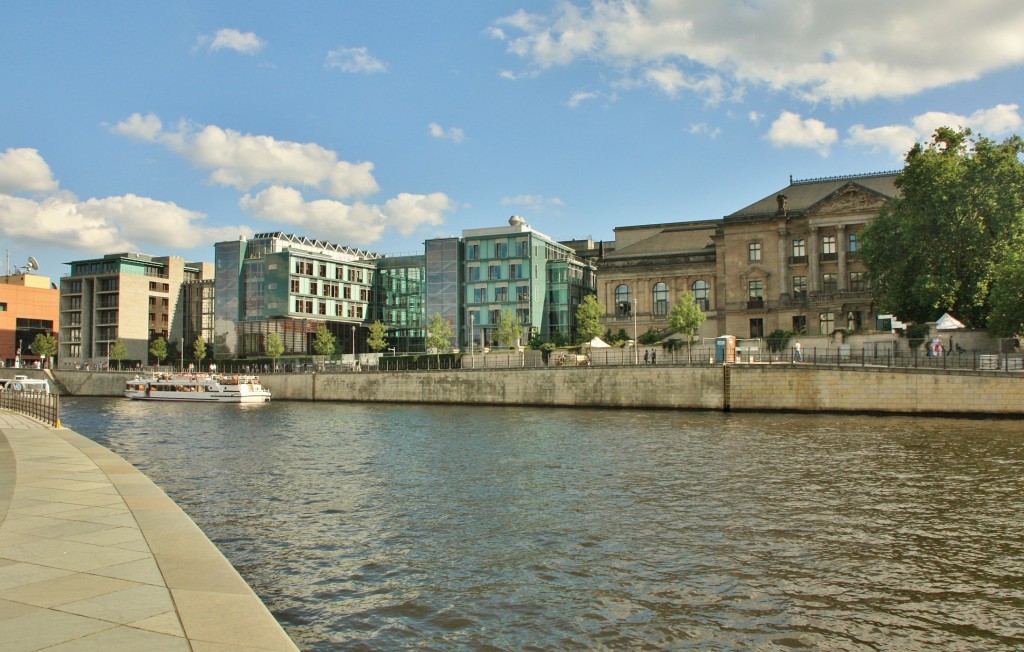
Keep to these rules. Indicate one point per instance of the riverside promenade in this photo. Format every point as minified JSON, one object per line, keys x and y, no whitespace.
{"x":94,"y":556}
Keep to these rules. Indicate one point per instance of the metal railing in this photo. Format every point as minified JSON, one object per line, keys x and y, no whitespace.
{"x":40,"y":406}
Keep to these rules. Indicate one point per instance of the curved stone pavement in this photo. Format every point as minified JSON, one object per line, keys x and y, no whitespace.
{"x":94,"y":556}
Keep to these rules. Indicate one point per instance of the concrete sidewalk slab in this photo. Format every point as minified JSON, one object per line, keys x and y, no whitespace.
{"x":94,"y":556}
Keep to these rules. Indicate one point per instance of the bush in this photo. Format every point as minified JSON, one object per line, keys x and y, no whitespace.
{"x":778,"y":340}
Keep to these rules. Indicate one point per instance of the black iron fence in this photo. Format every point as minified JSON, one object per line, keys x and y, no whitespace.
{"x":38,"y":405}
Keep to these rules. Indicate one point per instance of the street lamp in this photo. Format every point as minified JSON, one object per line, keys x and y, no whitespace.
{"x":472,"y":334}
{"x":353,"y":348}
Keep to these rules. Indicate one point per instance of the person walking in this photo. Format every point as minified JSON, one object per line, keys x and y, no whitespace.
{"x":798,"y":353}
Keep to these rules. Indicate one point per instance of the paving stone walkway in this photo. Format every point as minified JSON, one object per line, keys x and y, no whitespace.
{"x":94,"y":556}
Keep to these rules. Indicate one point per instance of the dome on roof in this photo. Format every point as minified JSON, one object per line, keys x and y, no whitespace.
{"x":515,"y":220}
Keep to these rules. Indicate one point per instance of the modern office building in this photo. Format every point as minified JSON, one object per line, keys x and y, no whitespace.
{"x":290,"y":285}
{"x":128,"y":296}
{"x":28,"y":306}
{"x":511,"y":267}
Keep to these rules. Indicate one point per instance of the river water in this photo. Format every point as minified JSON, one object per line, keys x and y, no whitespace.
{"x":384,"y":527}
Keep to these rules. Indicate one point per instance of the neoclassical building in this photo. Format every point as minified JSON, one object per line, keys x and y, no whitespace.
{"x":787,"y":261}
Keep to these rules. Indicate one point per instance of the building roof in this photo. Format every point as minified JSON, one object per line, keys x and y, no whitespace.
{"x":801,"y":195}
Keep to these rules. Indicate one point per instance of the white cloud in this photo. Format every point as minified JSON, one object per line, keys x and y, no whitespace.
{"x":703,"y":129}
{"x":243,"y":161}
{"x":581,"y":97}
{"x":535,"y":203}
{"x":360,"y":224}
{"x":999,"y":120}
{"x":232,"y":39}
{"x":123,"y":223}
{"x":453,"y":133}
{"x":354,"y":60}
{"x":790,"y":130}
{"x":24,"y":170}
{"x":818,"y":51}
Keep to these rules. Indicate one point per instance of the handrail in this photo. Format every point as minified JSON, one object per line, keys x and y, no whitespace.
{"x":44,"y":407}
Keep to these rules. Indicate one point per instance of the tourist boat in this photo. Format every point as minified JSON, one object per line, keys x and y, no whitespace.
{"x":22,"y":383}
{"x":201,"y":388}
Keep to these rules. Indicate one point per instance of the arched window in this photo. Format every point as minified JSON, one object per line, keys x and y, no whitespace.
{"x":701,"y":294}
{"x":623,"y":301}
{"x":660,"y":299}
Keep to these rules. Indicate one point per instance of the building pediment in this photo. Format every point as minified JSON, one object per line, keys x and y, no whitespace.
{"x":754,"y":272}
{"x":851,"y":198}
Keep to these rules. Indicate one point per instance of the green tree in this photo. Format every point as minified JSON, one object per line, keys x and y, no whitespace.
{"x":509,"y":331}
{"x":588,"y":319}
{"x":45,"y":346}
{"x":117,"y":351}
{"x":324,"y":342}
{"x":199,"y":350}
{"x":273,"y":347}
{"x":158,"y":349}
{"x":686,"y":319}
{"x":378,"y":338}
{"x":938,"y":246}
{"x":439,"y":335}
{"x":1006,"y":316}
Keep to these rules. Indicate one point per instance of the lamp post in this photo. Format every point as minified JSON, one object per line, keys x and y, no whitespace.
{"x":472,"y":334}
{"x":353,"y":348}
{"x":636,"y":342}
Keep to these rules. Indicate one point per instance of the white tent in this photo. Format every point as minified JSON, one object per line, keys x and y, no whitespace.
{"x":948,"y":323}
{"x":598,"y":343}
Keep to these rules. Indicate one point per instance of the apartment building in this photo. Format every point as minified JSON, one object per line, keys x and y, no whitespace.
{"x":128,"y":296}
{"x":29,"y":305}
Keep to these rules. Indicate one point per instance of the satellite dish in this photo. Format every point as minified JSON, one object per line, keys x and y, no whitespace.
{"x":33,"y":263}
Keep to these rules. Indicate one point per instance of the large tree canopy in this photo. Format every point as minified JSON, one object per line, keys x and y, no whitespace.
{"x":938,"y":247}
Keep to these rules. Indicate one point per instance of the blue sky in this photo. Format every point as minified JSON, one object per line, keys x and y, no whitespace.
{"x":162,"y":127}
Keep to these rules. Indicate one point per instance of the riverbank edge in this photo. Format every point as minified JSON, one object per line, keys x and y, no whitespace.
{"x":216,"y":607}
{"x":798,"y":388}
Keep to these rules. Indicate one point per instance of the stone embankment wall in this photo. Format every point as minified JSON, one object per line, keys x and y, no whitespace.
{"x":736,"y":387}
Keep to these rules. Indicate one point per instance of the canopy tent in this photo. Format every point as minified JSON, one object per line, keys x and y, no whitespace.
{"x":598,"y":343}
{"x":948,"y":323}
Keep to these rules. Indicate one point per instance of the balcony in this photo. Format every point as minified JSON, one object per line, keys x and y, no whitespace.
{"x":755,"y":304}
{"x":798,"y":260}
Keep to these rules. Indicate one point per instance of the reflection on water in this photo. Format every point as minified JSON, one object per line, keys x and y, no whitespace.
{"x":380,"y":527}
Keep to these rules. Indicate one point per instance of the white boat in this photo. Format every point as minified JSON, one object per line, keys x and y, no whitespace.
{"x":22,"y":383}
{"x":200,"y":388}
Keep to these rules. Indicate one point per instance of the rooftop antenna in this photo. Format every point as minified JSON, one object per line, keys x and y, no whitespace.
{"x":33,"y":264}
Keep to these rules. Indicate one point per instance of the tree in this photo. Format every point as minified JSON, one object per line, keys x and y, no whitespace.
{"x":45,"y":346}
{"x":439,"y":335}
{"x":273,"y":347}
{"x":1006,"y":317}
{"x":158,"y":349}
{"x":938,"y":246}
{"x":686,"y":318}
{"x":588,"y":319}
{"x":378,"y":336}
{"x":323,"y":342}
{"x":117,"y":351}
{"x":199,"y":350}
{"x":508,"y":331}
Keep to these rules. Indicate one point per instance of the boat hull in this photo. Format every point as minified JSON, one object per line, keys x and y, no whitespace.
{"x":197,"y":389}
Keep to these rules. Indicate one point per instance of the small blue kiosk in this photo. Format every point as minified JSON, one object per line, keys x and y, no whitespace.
{"x":725,"y":349}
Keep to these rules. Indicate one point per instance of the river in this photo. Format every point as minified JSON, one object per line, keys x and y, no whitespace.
{"x":384,"y":527}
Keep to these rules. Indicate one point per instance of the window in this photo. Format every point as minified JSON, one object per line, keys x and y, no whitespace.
{"x":800,"y":325}
{"x":523,"y":315}
{"x":494,"y":316}
{"x":322,"y":308}
{"x":479,"y":295}
{"x":501,"y":250}
{"x":494,"y":272}
{"x":364,"y":294}
{"x":323,"y":270}
{"x":472,"y":252}
{"x":474,"y":273}
{"x":853,"y":244}
{"x":701,"y":294}
{"x":756,"y":328}
{"x":515,"y":271}
{"x":826,"y":323}
{"x":660,"y":295}
{"x":857,"y":282}
{"x":799,"y":248}
{"x":755,"y":294}
{"x":853,"y":320}
{"x":346,"y":292}
{"x":800,"y":287}
{"x":501,"y":294}
{"x":828,"y":282}
{"x":828,"y":247}
{"x":313,"y":287}
{"x":623,"y":301}
{"x":523,"y":293}
{"x":753,"y":251}
{"x":523,"y":248}
{"x":294,"y":286}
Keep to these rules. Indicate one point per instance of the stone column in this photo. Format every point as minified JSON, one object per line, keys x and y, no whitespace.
{"x":783,"y":235}
{"x":842,"y":281}
{"x":813,"y":248}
